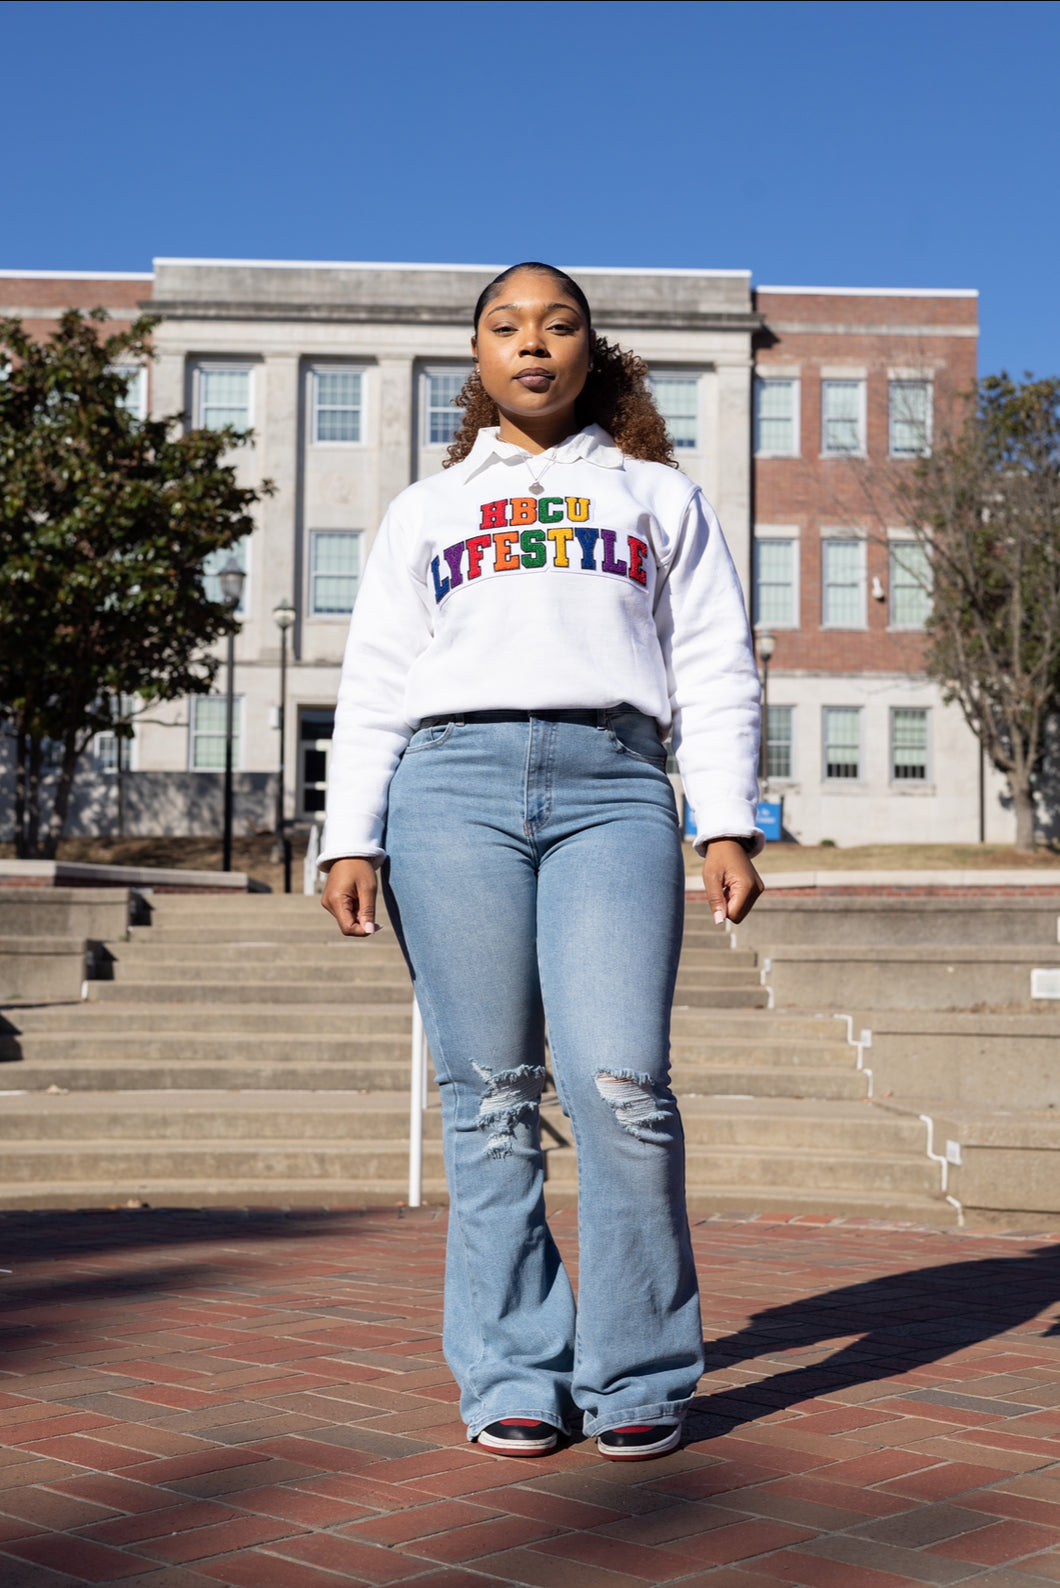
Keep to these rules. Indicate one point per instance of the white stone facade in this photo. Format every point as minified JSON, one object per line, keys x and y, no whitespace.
{"x":303,"y":340}
{"x":394,"y":327}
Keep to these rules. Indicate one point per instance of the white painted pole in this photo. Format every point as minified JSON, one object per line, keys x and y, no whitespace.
{"x":309,"y":868}
{"x":417,"y":1104}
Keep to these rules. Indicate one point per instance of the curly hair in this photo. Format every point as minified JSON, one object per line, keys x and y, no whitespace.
{"x":616,"y":395}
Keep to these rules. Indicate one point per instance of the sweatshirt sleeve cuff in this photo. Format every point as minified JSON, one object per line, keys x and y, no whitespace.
{"x":728,"y":818}
{"x":357,"y":837}
{"x":755,"y":840}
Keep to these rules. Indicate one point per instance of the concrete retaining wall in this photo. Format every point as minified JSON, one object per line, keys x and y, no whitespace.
{"x":64,"y":912}
{"x":43,"y":968}
{"x":843,"y":979}
{"x":963,"y":1060}
{"x":896,"y":922}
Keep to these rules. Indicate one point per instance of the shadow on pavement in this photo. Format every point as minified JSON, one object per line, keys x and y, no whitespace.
{"x":903,"y":1321}
{"x":184,"y":1248}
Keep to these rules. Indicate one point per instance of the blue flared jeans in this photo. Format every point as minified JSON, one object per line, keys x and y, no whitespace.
{"x":535,"y":875}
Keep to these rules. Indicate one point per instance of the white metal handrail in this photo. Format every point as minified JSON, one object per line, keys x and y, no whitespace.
{"x":312,"y":855}
{"x":417,"y":1105}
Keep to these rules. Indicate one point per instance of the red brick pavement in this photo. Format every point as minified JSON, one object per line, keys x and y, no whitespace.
{"x":259,"y":1399}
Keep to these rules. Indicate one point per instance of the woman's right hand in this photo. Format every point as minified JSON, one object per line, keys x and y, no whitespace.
{"x":349,"y":894}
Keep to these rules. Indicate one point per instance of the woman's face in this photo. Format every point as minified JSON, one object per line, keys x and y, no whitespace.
{"x":533,"y":350}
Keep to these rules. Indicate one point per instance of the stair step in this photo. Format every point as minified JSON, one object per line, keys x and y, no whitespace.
{"x":344,"y":968}
{"x":237,"y":992}
{"x":325,"y":1119}
{"x":364,"y":1047}
{"x":349,"y":1014}
{"x":363,"y":1043}
{"x":791,"y":1200}
{"x":115,"y":1162}
{"x":94,"y":1018}
{"x":293,"y":1075}
{"x":307,"y":992}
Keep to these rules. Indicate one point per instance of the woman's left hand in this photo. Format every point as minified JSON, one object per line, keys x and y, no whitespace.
{"x":732,"y":883}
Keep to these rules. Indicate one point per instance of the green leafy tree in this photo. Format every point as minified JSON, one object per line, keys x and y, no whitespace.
{"x":985,"y":505}
{"x":105,"y":523}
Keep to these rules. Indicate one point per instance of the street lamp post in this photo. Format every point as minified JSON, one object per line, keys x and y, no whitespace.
{"x":231,"y":580}
{"x":284,"y":614}
{"x":766,"y":647}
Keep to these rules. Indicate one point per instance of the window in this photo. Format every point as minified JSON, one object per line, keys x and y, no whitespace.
{"x":842,"y":417}
{"x":111,"y":752}
{"x":776,"y":583}
{"x":224,"y":398}
{"x":208,"y":718}
{"x":677,"y":399}
{"x":135,"y":399}
{"x":105,"y":752}
{"x":779,"y":741}
{"x":442,"y":420}
{"x":316,"y":728}
{"x":211,"y":570}
{"x":910,"y":585}
{"x":336,"y":405}
{"x":776,"y":418}
{"x":843,"y":581}
{"x":910,"y":413}
{"x":335,"y":570}
{"x":909,"y":744}
{"x":842,"y":742}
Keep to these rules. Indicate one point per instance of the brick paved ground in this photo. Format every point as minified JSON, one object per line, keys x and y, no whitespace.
{"x":188,"y":1399}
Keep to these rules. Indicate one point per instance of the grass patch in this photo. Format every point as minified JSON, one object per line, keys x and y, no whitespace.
{"x":252,"y":855}
{"x":896,"y":857}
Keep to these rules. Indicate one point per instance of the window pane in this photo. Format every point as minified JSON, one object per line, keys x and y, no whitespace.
{"x":208,"y":714}
{"x":338,"y":405}
{"x":775,"y":417}
{"x":775,"y":582}
{"x":224,"y":397}
{"x":135,"y":399}
{"x":443,"y":420}
{"x":779,"y":740}
{"x":842,"y":741}
{"x":336,"y":568}
{"x":910,"y":417}
{"x":211,"y":569}
{"x":677,"y":399}
{"x":910,"y":586}
{"x":106,"y":752}
{"x":844,"y":596}
{"x":909,"y":730}
{"x":841,"y":411}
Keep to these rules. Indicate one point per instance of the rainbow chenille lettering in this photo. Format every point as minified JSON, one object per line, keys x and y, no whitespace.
{"x":526,"y":532}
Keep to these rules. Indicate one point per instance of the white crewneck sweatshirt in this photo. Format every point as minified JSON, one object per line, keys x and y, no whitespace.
{"x":613,"y":585}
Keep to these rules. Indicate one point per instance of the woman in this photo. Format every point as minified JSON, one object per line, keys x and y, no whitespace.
{"x":532,"y":623}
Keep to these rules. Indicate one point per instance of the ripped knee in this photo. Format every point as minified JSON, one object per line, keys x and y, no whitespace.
{"x":511,"y":1096}
{"x":633,"y":1101}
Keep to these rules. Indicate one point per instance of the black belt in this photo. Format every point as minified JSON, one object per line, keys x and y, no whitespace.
{"x":591,"y":718}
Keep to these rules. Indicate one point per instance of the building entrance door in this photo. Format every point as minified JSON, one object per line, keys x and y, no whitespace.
{"x":315,"y":729}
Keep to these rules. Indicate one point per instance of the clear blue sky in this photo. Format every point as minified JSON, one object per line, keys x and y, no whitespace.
{"x":898,"y":144}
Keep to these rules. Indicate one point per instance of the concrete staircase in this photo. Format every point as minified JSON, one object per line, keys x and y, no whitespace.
{"x":960,"y":997}
{"x":243,"y":1052}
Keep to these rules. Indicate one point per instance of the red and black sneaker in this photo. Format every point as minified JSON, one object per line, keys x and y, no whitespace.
{"x":519,"y":1436}
{"x":639,"y":1441}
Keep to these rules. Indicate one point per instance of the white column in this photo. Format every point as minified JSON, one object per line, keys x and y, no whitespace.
{"x":733,"y":453}
{"x":395,"y":430}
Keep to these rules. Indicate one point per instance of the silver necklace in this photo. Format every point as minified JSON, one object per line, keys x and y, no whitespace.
{"x":536,"y":488}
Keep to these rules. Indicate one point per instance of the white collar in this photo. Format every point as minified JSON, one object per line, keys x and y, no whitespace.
{"x":591,"y":445}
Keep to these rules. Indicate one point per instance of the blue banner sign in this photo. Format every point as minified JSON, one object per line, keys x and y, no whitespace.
{"x":770,"y":819}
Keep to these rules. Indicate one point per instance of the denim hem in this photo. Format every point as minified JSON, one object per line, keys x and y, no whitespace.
{"x":660,"y":1412}
{"x":553,"y":1419}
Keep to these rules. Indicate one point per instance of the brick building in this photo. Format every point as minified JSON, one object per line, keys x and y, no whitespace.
{"x":778,"y":401}
{"x":850,"y":385}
